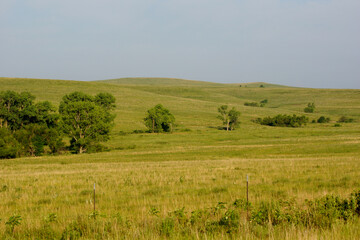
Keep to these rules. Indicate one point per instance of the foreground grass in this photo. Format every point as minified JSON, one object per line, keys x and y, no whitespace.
{"x":127,"y":191}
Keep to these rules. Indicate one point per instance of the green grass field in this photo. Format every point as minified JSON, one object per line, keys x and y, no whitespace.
{"x":147,"y":176}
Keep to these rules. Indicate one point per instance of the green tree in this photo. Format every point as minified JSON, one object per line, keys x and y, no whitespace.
{"x":310,"y":108}
{"x":86,"y":119}
{"x":224,"y":115}
{"x":16,"y":109}
{"x":229,"y":118}
{"x":28,"y":123}
{"x":234,"y":116}
{"x":159,"y":119}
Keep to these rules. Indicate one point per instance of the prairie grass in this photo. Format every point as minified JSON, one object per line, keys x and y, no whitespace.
{"x":148,"y":180}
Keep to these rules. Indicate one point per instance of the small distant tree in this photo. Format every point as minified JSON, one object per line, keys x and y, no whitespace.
{"x":229,"y":118}
{"x":159,"y":119}
{"x":234,"y":116}
{"x":323,"y":119}
{"x":85,"y":119}
{"x":310,"y":108}
{"x":224,"y":116}
{"x":262,"y":86}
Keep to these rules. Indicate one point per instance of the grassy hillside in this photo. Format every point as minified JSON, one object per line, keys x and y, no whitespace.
{"x":195,"y":167}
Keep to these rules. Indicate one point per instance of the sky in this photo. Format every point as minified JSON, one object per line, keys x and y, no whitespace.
{"x":305,"y":43}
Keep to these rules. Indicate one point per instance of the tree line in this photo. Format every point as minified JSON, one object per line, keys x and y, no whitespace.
{"x":26,"y":127}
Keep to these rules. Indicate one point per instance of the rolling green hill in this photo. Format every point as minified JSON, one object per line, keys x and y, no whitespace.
{"x":145,"y":180}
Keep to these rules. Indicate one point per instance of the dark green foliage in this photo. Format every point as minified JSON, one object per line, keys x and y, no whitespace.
{"x":159,"y":119}
{"x":283,"y":120}
{"x":310,"y":108}
{"x":33,"y":126}
{"x":9,"y":146}
{"x":105,"y":100}
{"x":229,"y":118}
{"x":255,"y":104}
{"x":16,"y":109}
{"x":325,"y":211}
{"x":344,"y":119}
{"x":251,"y":104}
{"x":13,"y":221}
{"x":263,"y":102}
{"x":32,"y":139}
{"x":356,"y":196}
{"x":86,"y":119}
{"x":323,"y":119}
{"x":230,"y":219}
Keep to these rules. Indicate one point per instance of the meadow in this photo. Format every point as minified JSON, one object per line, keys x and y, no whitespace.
{"x":183,"y":185}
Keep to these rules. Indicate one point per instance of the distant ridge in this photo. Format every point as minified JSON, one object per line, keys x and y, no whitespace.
{"x":144,"y":81}
{"x":183,"y":82}
{"x":160,"y":82}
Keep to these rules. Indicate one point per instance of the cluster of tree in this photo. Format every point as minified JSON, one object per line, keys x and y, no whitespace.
{"x":255,"y":104}
{"x":230,"y":118}
{"x":283,"y":120}
{"x":159,"y":119}
{"x":32,"y":129}
{"x":310,"y":108}
{"x":26,"y":127}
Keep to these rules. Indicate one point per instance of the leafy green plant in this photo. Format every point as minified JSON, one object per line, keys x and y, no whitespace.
{"x":13,"y":221}
{"x":153,"y":211}
{"x":310,"y":108}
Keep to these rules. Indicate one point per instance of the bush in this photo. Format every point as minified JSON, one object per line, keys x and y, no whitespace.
{"x":283,"y":121}
{"x":323,"y":119}
{"x":251,"y":104}
{"x":310,"y":108}
{"x":344,"y":119}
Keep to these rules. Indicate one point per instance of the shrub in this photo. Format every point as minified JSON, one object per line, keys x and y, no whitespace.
{"x":310,"y":108}
{"x":323,"y":119}
{"x":344,"y":119}
{"x":251,"y":104}
{"x":283,"y":121}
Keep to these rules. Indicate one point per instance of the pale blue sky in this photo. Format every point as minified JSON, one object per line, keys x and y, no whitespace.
{"x":310,"y":43}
